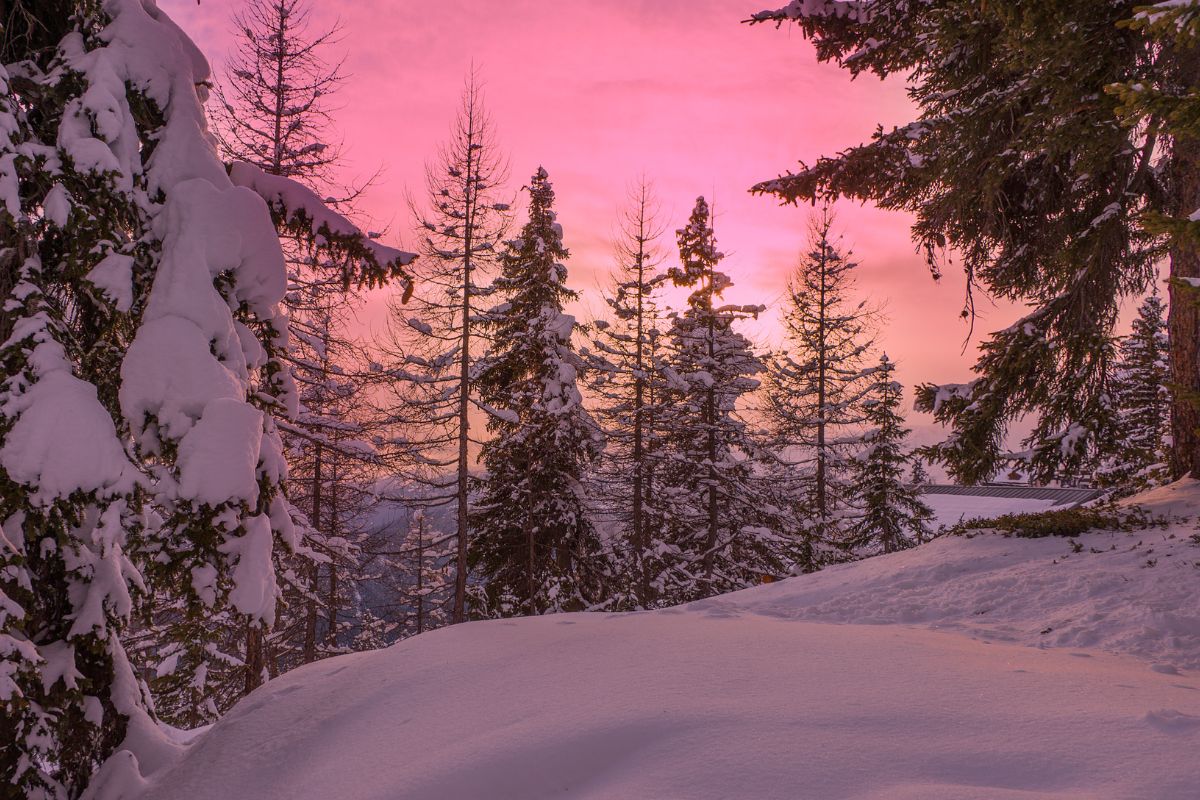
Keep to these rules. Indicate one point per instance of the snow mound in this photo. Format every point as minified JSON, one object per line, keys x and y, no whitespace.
{"x":1130,"y":593}
{"x":757,"y":694}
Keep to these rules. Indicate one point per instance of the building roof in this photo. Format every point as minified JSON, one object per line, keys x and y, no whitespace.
{"x":1056,"y":495}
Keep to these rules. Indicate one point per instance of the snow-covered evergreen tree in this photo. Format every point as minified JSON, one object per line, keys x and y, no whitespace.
{"x":708,"y":489}
{"x":425,"y":567}
{"x":893,"y":515}
{"x":814,"y":394}
{"x":272,"y":111}
{"x":142,"y":378}
{"x":532,"y":539}
{"x":1136,"y":457}
{"x":436,"y":343}
{"x":625,"y":376}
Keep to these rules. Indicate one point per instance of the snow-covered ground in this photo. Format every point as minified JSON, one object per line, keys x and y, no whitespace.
{"x":987,"y":667}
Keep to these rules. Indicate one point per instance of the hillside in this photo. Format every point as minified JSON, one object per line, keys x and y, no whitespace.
{"x":985,"y":667}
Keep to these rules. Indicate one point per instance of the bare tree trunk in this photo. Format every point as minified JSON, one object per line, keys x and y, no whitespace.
{"x":1183,"y":320}
{"x":420,"y":574}
{"x":464,"y":397}
{"x":309,"y":653}
{"x":331,"y":602}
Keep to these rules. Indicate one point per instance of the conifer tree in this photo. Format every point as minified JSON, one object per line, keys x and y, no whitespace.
{"x":709,"y":497}
{"x":1135,"y":459}
{"x":427,"y":592}
{"x":893,"y":515}
{"x":143,"y":375}
{"x":1019,"y":163}
{"x":625,"y":374}
{"x":532,"y":538}
{"x":272,"y":107}
{"x":436,"y":345}
{"x":272,"y":111}
{"x":814,"y":393}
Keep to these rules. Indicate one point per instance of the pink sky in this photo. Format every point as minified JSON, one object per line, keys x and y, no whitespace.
{"x":601,"y":91}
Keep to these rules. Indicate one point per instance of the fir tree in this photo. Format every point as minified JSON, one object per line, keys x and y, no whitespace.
{"x":1019,"y":163}
{"x":708,"y":492}
{"x":532,"y":537}
{"x":893,"y":516}
{"x":1135,"y":459}
{"x":625,"y":374}
{"x":435,"y":351}
{"x":142,"y":380}
{"x":814,"y":394}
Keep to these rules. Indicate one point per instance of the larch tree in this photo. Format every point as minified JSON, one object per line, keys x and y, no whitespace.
{"x":1135,"y":459}
{"x":533,"y":546}
{"x":437,"y":343}
{"x":1045,"y":133}
{"x":893,"y":515}
{"x":815,"y":388}
{"x":708,"y":484}
{"x":143,"y":375}
{"x":625,"y":376}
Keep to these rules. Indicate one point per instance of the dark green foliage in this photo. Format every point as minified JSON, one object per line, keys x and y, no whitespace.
{"x":1065,"y":522}
{"x":1018,"y":164}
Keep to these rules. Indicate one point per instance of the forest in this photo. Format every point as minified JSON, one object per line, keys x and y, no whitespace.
{"x":212,"y":474}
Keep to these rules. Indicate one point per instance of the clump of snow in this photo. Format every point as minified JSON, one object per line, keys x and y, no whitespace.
{"x":905,"y":676}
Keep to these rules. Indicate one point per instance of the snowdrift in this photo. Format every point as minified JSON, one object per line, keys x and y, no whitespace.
{"x":909,"y":676}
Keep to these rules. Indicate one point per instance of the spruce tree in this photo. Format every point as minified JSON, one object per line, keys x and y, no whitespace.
{"x":893,"y":516}
{"x":532,"y":539}
{"x":1135,"y":459}
{"x":1020,"y":165}
{"x":143,"y":375}
{"x":709,"y":494}
{"x":814,"y":394}
{"x":625,"y":375}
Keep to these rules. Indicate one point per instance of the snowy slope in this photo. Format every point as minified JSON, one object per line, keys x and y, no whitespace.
{"x":905,"y":676}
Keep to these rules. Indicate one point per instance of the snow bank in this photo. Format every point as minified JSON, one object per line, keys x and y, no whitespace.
{"x":757,"y":694}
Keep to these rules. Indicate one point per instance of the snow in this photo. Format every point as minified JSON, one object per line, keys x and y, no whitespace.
{"x":985,"y":667}
{"x":218,"y":456}
{"x":63,"y":440}
{"x":951,"y":509}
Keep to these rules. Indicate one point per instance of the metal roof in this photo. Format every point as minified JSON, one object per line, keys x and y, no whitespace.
{"x":1060,"y":496}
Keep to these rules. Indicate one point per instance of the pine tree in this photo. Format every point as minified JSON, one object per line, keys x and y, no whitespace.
{"x":708,"y":492}
{"x":625,"y":375}
{"x":532,"y":538}
{"x":143,"y":375}
{"x":893,"y":515}
{"x":814,"y":394}
{"x":1020,"y":165}
{"x":1135,"y":459}
{"x":434,"y":352}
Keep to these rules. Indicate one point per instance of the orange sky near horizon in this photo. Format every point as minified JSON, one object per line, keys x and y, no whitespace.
{"x":603,"y":91}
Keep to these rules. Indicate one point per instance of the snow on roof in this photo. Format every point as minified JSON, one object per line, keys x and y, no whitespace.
{"x":954,"y":504}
